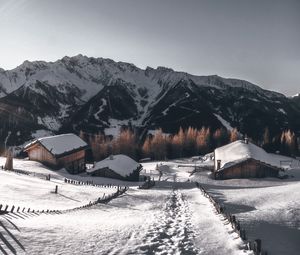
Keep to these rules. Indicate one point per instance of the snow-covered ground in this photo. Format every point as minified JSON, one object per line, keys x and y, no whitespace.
{"x":269,"y":213}
{"x":38,"y":194}
{"x":268,"y":208}
{"x":171,"y":218}
{"x":156,"y":221}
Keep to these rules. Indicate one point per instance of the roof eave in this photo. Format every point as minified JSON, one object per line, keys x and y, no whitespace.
{"x":55,"y":155}
{"x":246,"y":159}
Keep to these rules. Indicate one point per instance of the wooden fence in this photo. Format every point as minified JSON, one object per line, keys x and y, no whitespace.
{"x":29,"y":173}
{"x":5,"y":209}
{"x":253,"y":245}
{"x":90,"y":183}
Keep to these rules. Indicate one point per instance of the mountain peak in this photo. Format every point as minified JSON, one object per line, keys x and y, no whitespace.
{"x":101,"y":95}
{"x":164,"y":69}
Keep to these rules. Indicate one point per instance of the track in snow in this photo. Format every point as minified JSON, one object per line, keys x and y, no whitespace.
{"x":172,"y":233}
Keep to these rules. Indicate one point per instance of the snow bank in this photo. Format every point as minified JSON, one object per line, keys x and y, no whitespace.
{"x":60,"y":144}
{"x":120,"y":164}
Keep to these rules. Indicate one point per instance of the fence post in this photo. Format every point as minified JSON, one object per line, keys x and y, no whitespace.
{"x":258,"y":245}
{"x":243,"y":234}
{"x":56,"y":188}
{"x":238,"y":226}
{"x":12,"y":209}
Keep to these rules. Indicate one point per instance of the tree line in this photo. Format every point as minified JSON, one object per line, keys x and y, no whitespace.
{"x":185,"y":143}
{"x":160,"y":146}
{"x":286,"y":143}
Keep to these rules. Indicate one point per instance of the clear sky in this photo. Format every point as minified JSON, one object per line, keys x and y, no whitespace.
{"x":255,"y":40}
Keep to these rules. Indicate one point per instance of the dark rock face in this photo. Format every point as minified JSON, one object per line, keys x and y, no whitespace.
{"x":95,"y":94}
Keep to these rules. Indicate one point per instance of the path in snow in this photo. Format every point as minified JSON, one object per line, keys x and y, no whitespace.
{"x":172,"y":231}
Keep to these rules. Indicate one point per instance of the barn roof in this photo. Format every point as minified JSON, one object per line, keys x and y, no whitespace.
{"x":120,"y":164}
{"x":59,"y":145}
{"x":240,"y":151}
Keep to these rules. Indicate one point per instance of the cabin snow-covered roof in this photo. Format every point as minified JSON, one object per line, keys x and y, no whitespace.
{"x":120,"y":164}
{"x":240,"y":151}
{"x":59,"y":144}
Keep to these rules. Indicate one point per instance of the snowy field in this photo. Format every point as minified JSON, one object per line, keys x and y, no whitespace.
{"x":268,"y":208}
{"x":270,"y":211}
{"x":158,"y":221}
{"x":171,"y":218}
{"x":38,"y":194}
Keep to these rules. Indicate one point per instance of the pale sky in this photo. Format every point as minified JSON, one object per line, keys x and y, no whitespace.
{"x":255,"y":40}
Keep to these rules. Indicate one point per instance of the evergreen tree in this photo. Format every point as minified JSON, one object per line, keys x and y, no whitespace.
{"x":147,"y":149}
{"x":220,"y":137}
{"x":190,"y":142}
{"x":203,"y":141}
{"x":159,"y":145}
{"x":234,"y":135}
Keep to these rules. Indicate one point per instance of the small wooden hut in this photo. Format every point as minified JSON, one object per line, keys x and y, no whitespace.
{"x":66,"y":150}
{"x":242,"y":159}
{"x":119,"y":167}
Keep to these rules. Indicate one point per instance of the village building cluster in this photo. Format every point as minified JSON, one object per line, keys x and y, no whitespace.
{"x":69,"y":151}
{"x":239,"y":159}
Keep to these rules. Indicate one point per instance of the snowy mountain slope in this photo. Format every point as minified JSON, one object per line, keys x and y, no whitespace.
{"x":96,"y":94}
{"x":296,"y":99}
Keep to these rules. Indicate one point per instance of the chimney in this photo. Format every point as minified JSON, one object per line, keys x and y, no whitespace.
{"x":246,"y":140}
{"x":111,"y":157}
{"x":218,"y":164}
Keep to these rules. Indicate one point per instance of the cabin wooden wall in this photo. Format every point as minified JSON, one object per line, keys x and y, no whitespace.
{"x":106,"y":172}
{"x":74,"y":163}
{"x":248,"y":169}
{"x":39,"y":153}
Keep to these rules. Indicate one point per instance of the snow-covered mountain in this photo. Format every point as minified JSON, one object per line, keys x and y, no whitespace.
{"x":96,"y":94}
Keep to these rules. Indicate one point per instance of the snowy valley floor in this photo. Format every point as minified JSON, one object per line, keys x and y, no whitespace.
{"x":158,"y":221}
{"x":270,"y":213}
{"x":170,"y":218}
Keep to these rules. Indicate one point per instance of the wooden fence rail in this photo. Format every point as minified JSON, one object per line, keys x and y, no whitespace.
{"x":90,"y":183}
{"x":253,"y":245}
{"x":101,"y":200}
{"x":24,"y":172}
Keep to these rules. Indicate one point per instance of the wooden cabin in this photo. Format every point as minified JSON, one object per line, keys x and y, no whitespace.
{"x":67,"y":150}
{"x":242,"y":159}
{"x":119,"y":167}
{"x":249,"y":168}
